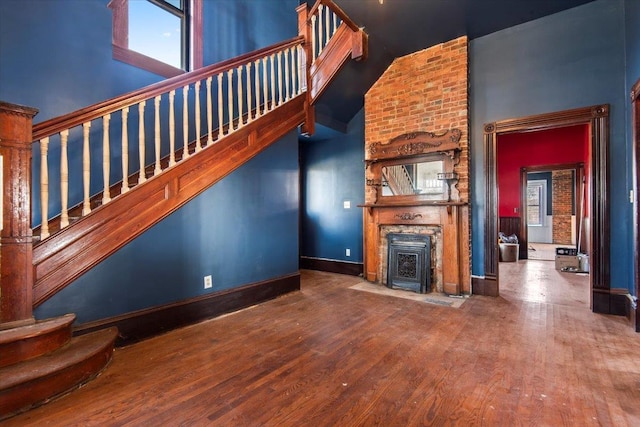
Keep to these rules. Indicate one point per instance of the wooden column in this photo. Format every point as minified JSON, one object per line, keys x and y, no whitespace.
{"x":16,"y":266}
{"x":451,"y":250}
{"x":304,"y":29}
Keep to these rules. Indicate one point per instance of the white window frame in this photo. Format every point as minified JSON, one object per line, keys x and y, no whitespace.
{"x":542,"y":214}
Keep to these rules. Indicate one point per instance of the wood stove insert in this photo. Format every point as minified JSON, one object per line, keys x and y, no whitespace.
{"x":409,"y":262}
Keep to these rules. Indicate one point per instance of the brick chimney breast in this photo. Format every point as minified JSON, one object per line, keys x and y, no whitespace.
{"x":426,"y":91}
{"x":423,"y":91}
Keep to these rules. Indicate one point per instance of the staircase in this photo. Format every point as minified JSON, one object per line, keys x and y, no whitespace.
{"x":184,"y":134}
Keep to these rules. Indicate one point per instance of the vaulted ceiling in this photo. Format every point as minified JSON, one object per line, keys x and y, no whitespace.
{"x":399,"y":27}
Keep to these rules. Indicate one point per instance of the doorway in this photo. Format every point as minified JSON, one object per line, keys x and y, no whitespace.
{"x":553,"y":210}
{"x":597,"y":118}
{"x":542,"y":185}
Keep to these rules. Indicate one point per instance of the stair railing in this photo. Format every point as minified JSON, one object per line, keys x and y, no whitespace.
{"x":325,"y":17}
{"x":321,"y":25}
{"x":234,"y":93}
{"x":174,"y":118}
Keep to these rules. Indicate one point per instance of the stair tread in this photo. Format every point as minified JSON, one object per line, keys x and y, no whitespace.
{"x":41,"y":327}
{"x":75,"y":351}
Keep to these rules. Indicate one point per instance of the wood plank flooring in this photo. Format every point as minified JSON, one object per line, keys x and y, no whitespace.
{"x":333,"y":356}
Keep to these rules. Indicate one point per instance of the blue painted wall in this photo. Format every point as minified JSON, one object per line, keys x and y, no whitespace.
{"x":242,"y":230}
{"x":632,"y":27}
{"x":572,"y":59}
{"x":57,"y":56}
{"x":632,"y":43}
{"x":234,"y":27}
{"x":333,"y":171}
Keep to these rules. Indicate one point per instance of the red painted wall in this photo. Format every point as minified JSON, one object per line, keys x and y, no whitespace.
{"x":542,"y":148}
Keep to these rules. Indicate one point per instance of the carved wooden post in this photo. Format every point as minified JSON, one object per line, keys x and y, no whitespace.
{"x":16,"y":265}
{"x":304,"y":29}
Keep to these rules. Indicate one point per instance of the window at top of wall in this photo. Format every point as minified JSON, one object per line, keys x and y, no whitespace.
{"x":161,"y":36}
{"x":157,"y":29}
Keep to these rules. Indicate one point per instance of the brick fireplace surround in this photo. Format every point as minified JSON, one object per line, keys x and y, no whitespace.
{"x":424,"y":92}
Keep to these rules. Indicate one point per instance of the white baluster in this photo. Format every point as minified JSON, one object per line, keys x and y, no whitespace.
{"x":320,"y":29}
{"x":335,"y":24}
{"x":240,"y":96}
{"x":142,"y":176}
{"x":106,"y":159}
{"x":297,"y":71}
{"x":313,"y":38}
{"x":185,"y":122}
{"x":44,"y":188}
{"x":209,"y":113}
{"x":172,"y":129}
{"x":125,"y":151}
{"x":280,"y":82}
{"x":256,"y":73}
{"x":294,"y":70}
{"x":230,"y":100}
{"x":302,"y":83}
{"x":273,"y":81}
{"x":64,"y":179}
{"x":86,"y":168}
{"x":197,"y":93}
{"x":220,"y":110}
{"x":286,"y":74}
{"x":265,"y":87}
{"x":327,"y":26}
{"x":249,"y":100}
{"x":157,"y":169}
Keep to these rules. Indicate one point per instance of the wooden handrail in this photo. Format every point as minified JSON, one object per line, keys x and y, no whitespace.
{"x":336,"y":9}
{"x":76,"y":118}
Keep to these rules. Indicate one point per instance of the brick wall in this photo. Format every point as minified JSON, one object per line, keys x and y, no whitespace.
{"x":423,"y":91}
{"x":562,"y":205}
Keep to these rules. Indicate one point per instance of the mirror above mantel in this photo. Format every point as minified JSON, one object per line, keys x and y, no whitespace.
{"x":416,"y":167}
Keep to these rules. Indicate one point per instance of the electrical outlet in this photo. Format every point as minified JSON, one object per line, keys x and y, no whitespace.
{"x":348,"y":252}
{"x":208,"y":282}
{"x":347,"y":204}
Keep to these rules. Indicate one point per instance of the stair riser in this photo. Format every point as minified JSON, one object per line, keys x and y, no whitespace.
{"x":34,"y":393}
{"x":30,"y":348}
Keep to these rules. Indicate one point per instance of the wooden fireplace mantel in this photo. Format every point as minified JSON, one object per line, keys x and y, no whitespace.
{"x":450,"y":217}
{"x":413,"y":144}
{"x":416,"y":203}
{"x":408,"y":204}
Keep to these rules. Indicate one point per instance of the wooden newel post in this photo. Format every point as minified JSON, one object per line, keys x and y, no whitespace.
{"x":16,"y":265}
{"x":304,"y":29}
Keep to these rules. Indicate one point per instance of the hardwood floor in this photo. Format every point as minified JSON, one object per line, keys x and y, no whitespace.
{"x":539,"y":281}
{"x":333,"y":356}
{"x":544,"y":251}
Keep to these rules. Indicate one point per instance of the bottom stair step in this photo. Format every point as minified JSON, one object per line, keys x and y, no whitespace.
{"x":30,"y":341}
{"x":33,"y":382}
